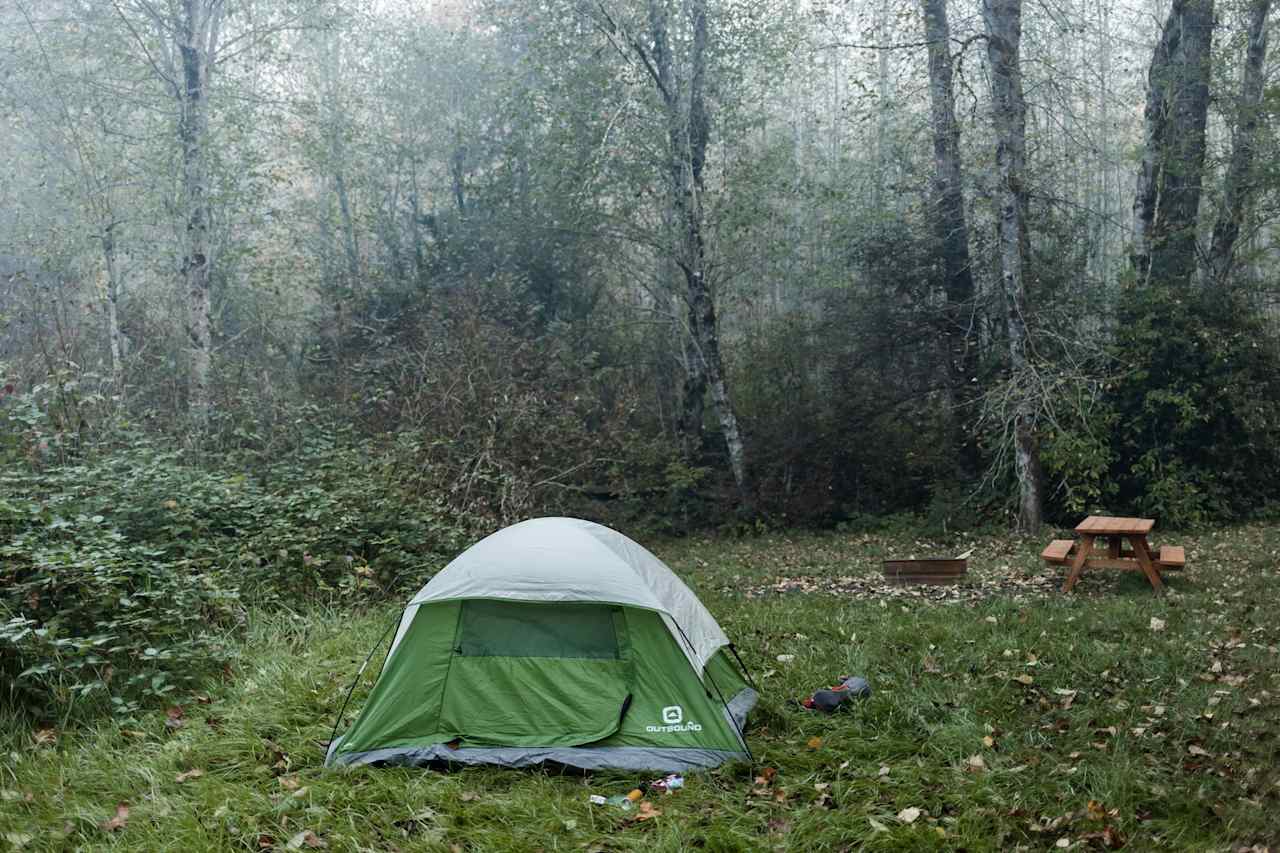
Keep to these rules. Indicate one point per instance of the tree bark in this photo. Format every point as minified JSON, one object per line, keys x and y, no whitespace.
{"x":1238,"y":182}
{"x":689,"y":129}
{"x":950,"y":224}
{"x":1170,"y":175}
{"x":196,"y":36}
{"x":114,"y":337}
{"x":1003,"y":19}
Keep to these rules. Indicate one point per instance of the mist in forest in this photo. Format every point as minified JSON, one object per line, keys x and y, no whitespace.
{"x":677,"y":263}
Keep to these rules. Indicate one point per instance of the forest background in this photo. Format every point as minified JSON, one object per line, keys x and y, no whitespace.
{"x":301,"y":296}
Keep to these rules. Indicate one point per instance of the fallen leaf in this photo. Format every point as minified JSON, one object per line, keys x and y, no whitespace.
{"x":778,"y":826}
{"x":976,"y":763}
{"x":821,"y":786}
{"x":1024,"y":679}
{"x":193,"y":773}
{"x":289,"y":783}
{"x":884,"y":770}
{"x":17,"y":839}
{"x":45,"y":737}
{"x":909,"y":815}
{"x":646,"y":811}
{"x":1157,"y":624}
{"x":1063,"y":842}
{"x":306,"y":838}
{"x":876,"y":825}
{"x":988,"y":741}
{"x":118,"y":822}
{"x":174,"y":718}
{"x":814,"y":742}
{"x":766,"y":775}
{"x":1195,"y":750}
{"x":1096,"y":810}
{"x":786,"y":658}
{"x":468,"y":796}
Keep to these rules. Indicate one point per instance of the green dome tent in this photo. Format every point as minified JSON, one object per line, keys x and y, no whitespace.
{"x":554,"y":640}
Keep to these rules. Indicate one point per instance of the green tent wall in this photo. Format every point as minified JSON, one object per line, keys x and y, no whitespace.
{"x":555,"y":640}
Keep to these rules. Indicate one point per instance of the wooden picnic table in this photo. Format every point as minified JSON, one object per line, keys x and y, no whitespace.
{"x":1117,"y":532}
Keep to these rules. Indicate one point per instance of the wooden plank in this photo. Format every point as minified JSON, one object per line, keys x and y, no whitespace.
{"x":1105,"y":525}
{"x":932,"y":572}
{"x":1139,"y":544}
{"x":926,"y":567}
{"x":1172,"y":557}
{"x":1077,"y":564}
{"x":1118,"y":563}
{"x":1058,"y":551}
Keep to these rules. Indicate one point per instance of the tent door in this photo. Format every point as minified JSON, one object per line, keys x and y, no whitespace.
{"x":525,"y":674}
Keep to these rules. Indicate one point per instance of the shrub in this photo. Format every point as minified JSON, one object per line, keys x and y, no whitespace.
{"x":124,"y":572}
{"x":1197,"y":412}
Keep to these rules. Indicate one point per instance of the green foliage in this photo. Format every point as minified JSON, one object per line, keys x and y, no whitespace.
{"x":124,"y":570}
{"x":1197,"y":412}
{"x":90,"y":614}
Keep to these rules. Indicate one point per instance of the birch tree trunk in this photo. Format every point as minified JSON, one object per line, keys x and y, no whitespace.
{"x":688,"y":131}
{"x":1169,"y":178}
{"x":196,"y":37}
{"x":1003,"y":19}
{"x":114,"y":337}
{"x":949,"y":221}
{"x":1238,"y":182}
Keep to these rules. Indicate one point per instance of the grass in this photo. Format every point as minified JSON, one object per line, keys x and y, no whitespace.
{"x":1009,"y":716}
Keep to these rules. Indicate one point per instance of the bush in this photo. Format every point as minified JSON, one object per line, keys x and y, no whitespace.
{"x":124,"y":572}
{"x":1197,"y":412}
{"x":86,"y":614}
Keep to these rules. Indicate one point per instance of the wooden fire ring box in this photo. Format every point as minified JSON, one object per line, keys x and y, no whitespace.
{"x":937,"y":572}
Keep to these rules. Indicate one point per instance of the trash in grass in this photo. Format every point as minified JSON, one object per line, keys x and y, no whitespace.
{"x":831,"y":699}
{"x":622,"y":802}
{"x":628,"y":801}
{"x":673,"y":782}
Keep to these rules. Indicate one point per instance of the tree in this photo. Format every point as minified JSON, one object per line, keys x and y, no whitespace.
{"x":1167,"y":199}
{"x":189,"y":36}
{"x":948,"y":213}
{"x":1238,"y":184}
{"x":1003,"y":20}
{"x":687,"y":119}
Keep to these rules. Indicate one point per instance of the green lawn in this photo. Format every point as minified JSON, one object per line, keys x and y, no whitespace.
{"x":1004,"y":716}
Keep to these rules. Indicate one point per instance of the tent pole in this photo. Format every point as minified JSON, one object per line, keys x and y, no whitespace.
{"x":338,"y":721}
{"x":743,"y":667}
{"x":741,"y":736}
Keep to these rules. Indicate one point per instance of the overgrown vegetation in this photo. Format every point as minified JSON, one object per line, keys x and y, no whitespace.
{"x":1000,"y":719}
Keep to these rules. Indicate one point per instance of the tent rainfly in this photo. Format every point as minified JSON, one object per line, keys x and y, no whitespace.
{"x":554,"y":640}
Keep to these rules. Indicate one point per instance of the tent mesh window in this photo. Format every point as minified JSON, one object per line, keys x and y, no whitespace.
{"x":516,"y":629}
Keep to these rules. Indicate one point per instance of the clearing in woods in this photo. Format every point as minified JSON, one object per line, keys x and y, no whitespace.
{"x":1005,"y":715}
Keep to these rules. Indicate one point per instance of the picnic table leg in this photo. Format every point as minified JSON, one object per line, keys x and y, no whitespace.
{"x":1141,"y":551}
{"x":1113,"y":547}
{"x":1083,"y":547}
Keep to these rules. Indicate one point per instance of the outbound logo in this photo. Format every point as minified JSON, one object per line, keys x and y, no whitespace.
{"x":673,"y":721}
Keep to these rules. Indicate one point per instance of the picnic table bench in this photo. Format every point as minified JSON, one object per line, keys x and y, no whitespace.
{"x":1118,"y":532}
